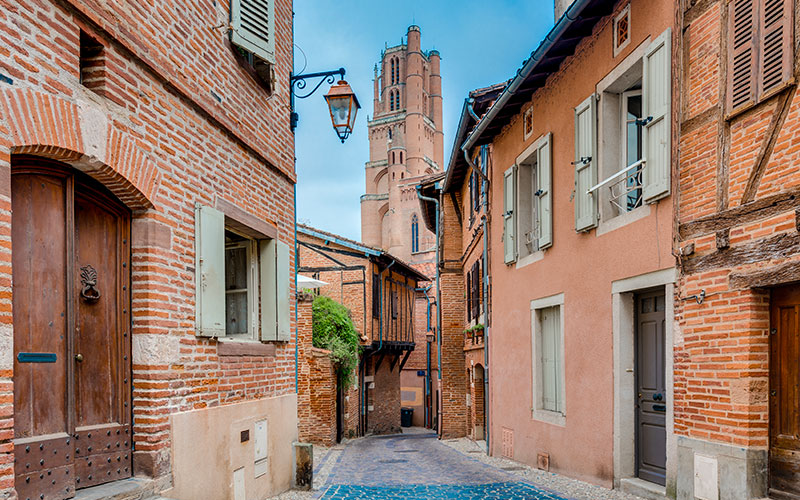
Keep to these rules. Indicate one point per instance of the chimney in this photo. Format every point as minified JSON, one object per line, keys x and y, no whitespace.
{"x":561,"y":6}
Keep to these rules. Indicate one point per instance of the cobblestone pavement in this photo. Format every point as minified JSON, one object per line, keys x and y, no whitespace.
{"x":419,"y":466}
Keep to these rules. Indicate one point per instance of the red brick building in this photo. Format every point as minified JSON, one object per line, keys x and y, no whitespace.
{"x":736,"y":223}
{"x":380,"y":291}
{"x":146,"y":184}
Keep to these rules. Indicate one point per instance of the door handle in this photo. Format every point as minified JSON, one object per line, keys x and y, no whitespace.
{"x":79,"y":357}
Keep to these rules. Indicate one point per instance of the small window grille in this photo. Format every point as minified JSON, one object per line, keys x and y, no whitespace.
{"x":622,"y":27}
{"x":527,"y":123}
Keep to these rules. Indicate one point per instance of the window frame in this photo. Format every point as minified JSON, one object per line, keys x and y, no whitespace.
{"x":253,"y":285}
{"x":538,"y":410}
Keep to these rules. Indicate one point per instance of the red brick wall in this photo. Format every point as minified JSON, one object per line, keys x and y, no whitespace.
{"x":721,"y":350}
{"x":384,"y":397}
{"x":161,"y":141}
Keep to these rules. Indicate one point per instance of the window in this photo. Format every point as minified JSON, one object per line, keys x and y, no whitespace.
{"x":92,"y":64}
{"x":242,"y":288}
{"x":760,"y":54}
{"x":528,"y":202}
{"x":252,"y":32}
{"x":397,"y":100}
{"x":547,"y":317}
{"x":240,"y":280}
{"x":474,"y":292}
{"x":622,"y":30}
{"x":414,"y":234}
{"x":376,"y":295}
{"x":391,"y":100}
{"x":527,"y":123}
{"x":635,"y":161}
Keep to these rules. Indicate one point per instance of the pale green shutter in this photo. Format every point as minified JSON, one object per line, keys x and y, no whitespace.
{"x":209,"y":227}
{"x":253,"y":27}
{"x":269,"y":289}
{"x":656,"y":94}
{"x":283,"y":273}
{"x":585,"y":164}
{"x":549,"y":358}
{"x":544,"y":200}
{"x":509,"y":218}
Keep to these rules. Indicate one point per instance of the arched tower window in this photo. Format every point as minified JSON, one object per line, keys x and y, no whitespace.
{"x":397,"y":101}
{"x":395,"y":68}
{"x":401,"y":157}
{"x":391,"y":100}
{"x":414,"y":234}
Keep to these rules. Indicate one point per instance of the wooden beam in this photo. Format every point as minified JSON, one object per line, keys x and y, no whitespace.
{"x":779,"y":246}
{"x":392,"y":362}
{"x":380,"y":360}
{"x":762,"y":208}
{"x":770,"y":138}
{"x":777,"y":275}
{"x":405,"y":358}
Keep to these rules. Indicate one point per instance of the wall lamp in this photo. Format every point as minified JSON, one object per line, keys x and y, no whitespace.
{"x":342,"y":102}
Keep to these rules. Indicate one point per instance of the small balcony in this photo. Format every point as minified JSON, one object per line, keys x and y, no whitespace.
{"x":473,"y":338}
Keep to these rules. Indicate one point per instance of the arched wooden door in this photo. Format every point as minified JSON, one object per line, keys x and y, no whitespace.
{"x":72,"y":390}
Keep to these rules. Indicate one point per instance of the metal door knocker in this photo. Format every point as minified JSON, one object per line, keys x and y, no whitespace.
{"x":89,"y":281}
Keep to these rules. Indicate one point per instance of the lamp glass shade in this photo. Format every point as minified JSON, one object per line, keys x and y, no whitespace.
{"x":343,"y":107}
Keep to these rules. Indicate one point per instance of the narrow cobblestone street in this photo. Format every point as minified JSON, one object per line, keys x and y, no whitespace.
{"x":417,"y":465}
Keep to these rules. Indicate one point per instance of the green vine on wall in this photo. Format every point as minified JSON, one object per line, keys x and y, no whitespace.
{"x":333,"y":329}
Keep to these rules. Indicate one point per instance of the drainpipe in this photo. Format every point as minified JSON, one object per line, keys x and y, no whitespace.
{"x":438,"y":302}
{"x":296,"y":329}
{"x":427,"y":352}
{"x":380,"y":294}
{"x":484,"y":222}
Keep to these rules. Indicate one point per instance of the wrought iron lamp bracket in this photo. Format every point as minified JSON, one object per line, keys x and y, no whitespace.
{"x":299,"y":83}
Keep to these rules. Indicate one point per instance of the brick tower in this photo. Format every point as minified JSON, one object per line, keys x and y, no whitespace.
{"x":405,"y":144}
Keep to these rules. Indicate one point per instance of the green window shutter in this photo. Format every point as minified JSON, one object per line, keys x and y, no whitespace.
{"x":549,"y":358}
{"x":209,"y":272}
{"x":283,"y":272}
{"x":509,"y":219}
{"x":656,"y":134}
{"x":585,"y":164}
{"x":544,"y":200}
{"x":253,"y":27}
{"x":269,"y":290}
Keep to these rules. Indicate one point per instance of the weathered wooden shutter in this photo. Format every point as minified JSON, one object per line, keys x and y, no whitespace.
{"x":253,"y":27}
{"x":283,"y":274}
{"x":209,"y":272}
{"x":509,"y":218}
{"x":544,"y":200}
{"x":268,"y":264}
{"x":775,"y":52}
{"x":469,"y":294}
{"x":657,"y":132}
{"x":585,"y":164}
{"x":376,"y":292}
{"x":476,"y":292}
{"x":742,"y":22}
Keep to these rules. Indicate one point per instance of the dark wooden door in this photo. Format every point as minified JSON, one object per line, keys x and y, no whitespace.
{"x":784,"y":379}
{"x":71,"y":340}
{"x":651,"y":435}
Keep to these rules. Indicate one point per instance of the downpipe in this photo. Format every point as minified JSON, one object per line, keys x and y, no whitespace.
{"x":438,"y":309}
{"x":427,"y":353}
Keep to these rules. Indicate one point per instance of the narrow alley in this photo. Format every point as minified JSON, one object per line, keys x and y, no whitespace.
{"x":416,"y":464}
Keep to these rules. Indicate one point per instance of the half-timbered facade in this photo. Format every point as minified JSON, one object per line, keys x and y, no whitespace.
{"x":146,"y":184}
{"x":380,"y":291}
{"x":737,"y":241}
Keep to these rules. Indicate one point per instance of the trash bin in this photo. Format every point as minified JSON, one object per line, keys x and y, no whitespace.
{"x":405,"y":416}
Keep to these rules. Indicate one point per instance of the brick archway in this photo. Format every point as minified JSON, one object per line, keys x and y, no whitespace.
{"x":82,"y":136}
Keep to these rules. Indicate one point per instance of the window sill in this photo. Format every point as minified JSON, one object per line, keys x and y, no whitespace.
{"x":229,"y":347}
{"x":530,"y":259}
{"x":622,"y":220}
{"x":550,"y":417}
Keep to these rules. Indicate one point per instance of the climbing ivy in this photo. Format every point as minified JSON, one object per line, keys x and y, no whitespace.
{"x":333,"y":330}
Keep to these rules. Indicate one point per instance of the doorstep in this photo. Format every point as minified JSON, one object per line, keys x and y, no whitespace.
{"x":642,"y":488}
{"x":134,"y":488}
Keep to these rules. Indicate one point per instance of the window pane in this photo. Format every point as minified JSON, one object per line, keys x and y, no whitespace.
{"x":236,"y":268}
{"x":235,"y":313}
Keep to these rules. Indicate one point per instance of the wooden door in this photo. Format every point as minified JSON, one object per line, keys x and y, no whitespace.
{"x":784,"y":408}
{"x":651,"y":435}
{"x":71,"y":340}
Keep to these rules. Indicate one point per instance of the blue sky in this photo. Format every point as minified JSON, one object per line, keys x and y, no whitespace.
{"x":481,"y":43}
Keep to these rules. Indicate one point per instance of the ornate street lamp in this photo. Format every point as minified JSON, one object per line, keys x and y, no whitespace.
{"x":343,"y":106}
{"x":342,"y":102}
